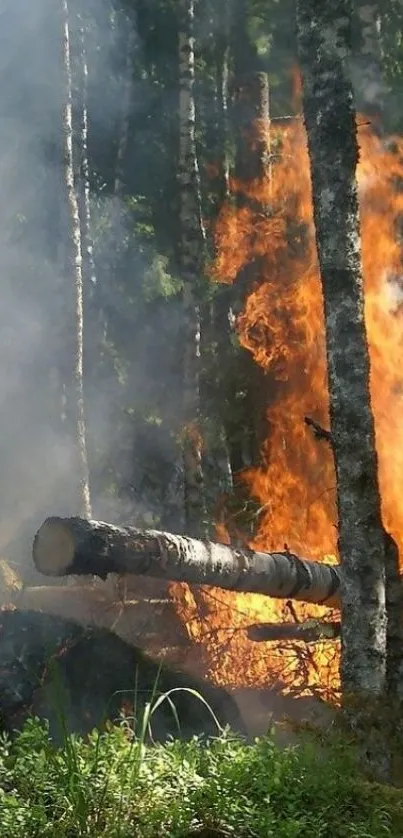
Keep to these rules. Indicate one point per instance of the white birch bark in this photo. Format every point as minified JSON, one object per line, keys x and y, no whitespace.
{"x":75,"y":260}
{"x":87,"y":238}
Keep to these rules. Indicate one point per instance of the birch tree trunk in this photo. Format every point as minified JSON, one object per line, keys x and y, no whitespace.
{"x":221,"y":75}
{"x":324,"y":46}
{"x":94,"y":332}
{"x":75,"y":261}
{"x":65,"y":546}
{"x":191,"y":253}
{"x":86,"y":222}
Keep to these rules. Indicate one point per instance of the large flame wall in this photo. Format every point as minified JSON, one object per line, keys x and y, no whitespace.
{"x":282,"y":326}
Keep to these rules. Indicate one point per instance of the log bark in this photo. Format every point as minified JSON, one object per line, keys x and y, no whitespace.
{"x":75,"y":546}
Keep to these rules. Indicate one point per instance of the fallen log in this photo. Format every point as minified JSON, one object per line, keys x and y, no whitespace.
{"x":77,"y":678}
{"x":74,"y":546}
{"x":310,"y":631}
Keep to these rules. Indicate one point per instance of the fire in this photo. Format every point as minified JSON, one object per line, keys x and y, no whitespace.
{"x":282,"y":326}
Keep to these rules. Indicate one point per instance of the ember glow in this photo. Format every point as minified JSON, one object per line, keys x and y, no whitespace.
{"x":282,"y":326}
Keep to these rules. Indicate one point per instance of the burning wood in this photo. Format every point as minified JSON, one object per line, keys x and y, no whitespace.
{"x":311,"y":631}
{"x":74,"y":546}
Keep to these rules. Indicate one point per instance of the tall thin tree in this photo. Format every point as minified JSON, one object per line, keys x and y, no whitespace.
{"x":84,"y":173}
{"x":126,"y":96}
{"x":76,"y":265}
{"x":191,"y":253}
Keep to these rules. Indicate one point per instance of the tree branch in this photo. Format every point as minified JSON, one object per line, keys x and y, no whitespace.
{"x":318,"y":431}
{"x":311,"y":631}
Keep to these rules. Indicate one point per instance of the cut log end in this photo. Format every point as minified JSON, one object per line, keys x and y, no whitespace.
{"x":53,"y":549}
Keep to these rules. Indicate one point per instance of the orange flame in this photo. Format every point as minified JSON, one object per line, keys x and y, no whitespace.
{"x":282,"y":326}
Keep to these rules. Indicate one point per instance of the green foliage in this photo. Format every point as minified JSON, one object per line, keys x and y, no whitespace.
{"x":111,"y":785}
{"x":157,"y":282}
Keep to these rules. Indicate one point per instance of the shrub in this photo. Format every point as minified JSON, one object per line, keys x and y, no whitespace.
{"x":112,"y":786}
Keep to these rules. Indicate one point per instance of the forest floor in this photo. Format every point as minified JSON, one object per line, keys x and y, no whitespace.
{"x":111,"y":785}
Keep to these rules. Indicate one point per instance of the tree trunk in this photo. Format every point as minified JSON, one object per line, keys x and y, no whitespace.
{"x":251,"y":121}
{"x":67,"y":546}
{"x":221,"y":76}
{"x":394,"y":631}
{"x":125,"y":108}
{"x":324,"y":47}
{"x":75,"y":259}
{"x":192,"y":239}
{"x":87,"y":240}
{"x":214,"y":103}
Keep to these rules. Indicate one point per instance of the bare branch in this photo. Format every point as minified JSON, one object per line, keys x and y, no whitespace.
{"x":311,"y":631}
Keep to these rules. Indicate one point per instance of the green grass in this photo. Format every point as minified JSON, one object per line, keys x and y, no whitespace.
{"x":111,"y":785}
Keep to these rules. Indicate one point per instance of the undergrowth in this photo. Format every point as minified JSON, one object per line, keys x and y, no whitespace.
{"x":111,"y":785}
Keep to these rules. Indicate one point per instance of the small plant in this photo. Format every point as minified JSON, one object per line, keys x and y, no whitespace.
{"x":113,"y":785}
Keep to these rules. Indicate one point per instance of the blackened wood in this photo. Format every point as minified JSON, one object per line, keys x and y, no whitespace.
{"x":311,"y":631}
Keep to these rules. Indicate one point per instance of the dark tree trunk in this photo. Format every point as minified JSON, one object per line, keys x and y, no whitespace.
{"x":324,"y":46}
{"x":127,"y":92}
{"x":213,"y":103}
{"x":394,"y":632}
{"x":250,"y":115}
{"x":251,"y":125}
{"x":221,"y":79}
{"x":75,"y":546}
